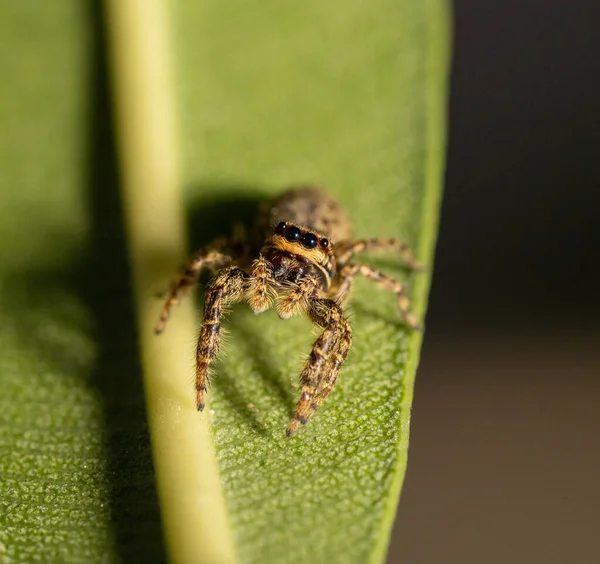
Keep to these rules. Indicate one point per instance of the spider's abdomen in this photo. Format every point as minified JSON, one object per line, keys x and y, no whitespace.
{"x":310,"y":208}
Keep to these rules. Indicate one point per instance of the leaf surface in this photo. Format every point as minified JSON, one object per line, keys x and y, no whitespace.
{"x":76,"y":475}
{"x":346,"y":95}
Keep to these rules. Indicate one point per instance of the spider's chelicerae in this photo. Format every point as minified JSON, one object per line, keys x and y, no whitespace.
{"x":304,"y":266}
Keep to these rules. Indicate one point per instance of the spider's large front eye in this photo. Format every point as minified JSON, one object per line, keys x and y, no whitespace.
{"x":292,"y":233}
{"x":310,"y":241}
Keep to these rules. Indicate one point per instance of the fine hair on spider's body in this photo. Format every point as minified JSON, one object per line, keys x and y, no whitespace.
{"x":304,"y":266}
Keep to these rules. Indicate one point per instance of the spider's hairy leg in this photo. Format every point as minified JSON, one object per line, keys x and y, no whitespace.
{"x":260,"y":298}
{"x":336,"y":360}
{"x":298,"y":298}
{"x":347,"y":250}
{"x":325,"y":360}
{"x":349,"y":272}
{"x":185,"y":281}
{"x":227,"y":288}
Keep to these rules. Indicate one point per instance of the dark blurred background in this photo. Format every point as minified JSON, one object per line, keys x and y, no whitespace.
{"x":504,"y":463}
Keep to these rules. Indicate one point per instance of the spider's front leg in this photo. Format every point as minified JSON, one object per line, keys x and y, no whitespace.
{"x":351,"y":270}
{"x":345,"y":251}
{"x":325,"y":360}
{"x":229,"y":287}
{"x":180,"y":286}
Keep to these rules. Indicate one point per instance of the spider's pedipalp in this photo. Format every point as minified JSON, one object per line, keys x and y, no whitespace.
{"x":297,"y":298}
{"x":260,"y":289}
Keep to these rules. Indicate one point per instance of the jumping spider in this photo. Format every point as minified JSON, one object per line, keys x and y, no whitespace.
{"x":304,"y":265}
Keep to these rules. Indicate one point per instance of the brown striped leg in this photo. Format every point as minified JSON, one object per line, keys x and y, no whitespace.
{"x":335,"y":364}
{"x":345,"y":251}
{"x":341,"y":290}
{"x":325,"y":360}
{"x":260,"y":298}
{"x":227,"y":288}
{"x":348,"y":273}
{"x":190,"y":276}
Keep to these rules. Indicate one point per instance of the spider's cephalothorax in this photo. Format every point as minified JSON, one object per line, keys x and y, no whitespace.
{"x":304,"y":266}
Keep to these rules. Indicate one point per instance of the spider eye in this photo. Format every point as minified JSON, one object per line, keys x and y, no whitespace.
{"x":292,"y":233}
{"x":310,"y":241}
{"x":280,"y":228}
{"x":324,"y":243}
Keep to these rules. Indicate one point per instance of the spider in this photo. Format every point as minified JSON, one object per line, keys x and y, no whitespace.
{"x":304,"y":266}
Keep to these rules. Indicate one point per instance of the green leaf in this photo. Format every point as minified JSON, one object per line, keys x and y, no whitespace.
{"x":76,"y":476}
{"x":231,"y":101}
